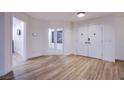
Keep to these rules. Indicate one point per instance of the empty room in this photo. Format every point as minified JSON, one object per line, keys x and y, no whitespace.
{"x":61,"y":46}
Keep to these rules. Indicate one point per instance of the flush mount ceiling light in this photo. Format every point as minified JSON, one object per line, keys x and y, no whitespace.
{"x":80,"y":14}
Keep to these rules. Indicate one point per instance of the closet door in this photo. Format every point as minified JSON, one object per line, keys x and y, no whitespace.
{"x":82,"y":46}
{"x":95,"y":41}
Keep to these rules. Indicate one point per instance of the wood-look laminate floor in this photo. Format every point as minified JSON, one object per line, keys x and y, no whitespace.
{"x":68,"y":68}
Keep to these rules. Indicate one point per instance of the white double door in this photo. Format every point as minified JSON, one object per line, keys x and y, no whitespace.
{"x":89,"y":41}
{"x":56,"y":41}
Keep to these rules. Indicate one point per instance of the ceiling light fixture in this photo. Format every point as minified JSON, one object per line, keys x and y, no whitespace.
{"x":80,"y":14}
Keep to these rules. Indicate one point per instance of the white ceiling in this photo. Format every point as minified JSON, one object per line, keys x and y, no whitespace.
{"x":65,"y":16}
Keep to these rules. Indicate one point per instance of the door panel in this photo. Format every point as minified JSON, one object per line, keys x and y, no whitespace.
{"x":95,"y":39}
{"x":82,"y":47}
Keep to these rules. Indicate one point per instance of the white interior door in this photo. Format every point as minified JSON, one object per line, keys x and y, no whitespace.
{"x":89,"y":41}
{"x":82,"y":46}
{"x":95,"y":41}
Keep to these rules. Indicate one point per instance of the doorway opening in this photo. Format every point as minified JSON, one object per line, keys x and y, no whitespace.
{"x":18,"y":41}
{"x":55,"y":37}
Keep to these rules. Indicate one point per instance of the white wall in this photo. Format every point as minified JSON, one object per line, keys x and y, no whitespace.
{"x":36,"y":42}
{"x":5,"y":46}
{"x":108,"y":24}
{"x":119,"y":36}
{"x":2,"y":59}
{"x":8,"y":42}
{"x":39,"y":43}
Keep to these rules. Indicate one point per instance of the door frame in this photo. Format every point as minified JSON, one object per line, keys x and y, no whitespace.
{"x":52,"y":50}
{"x":86,"y":25}
{"x":25,"y":34}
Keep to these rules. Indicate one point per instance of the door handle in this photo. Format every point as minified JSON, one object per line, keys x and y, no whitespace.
{"x":87,"y":42}
{"x":88,"y":39}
